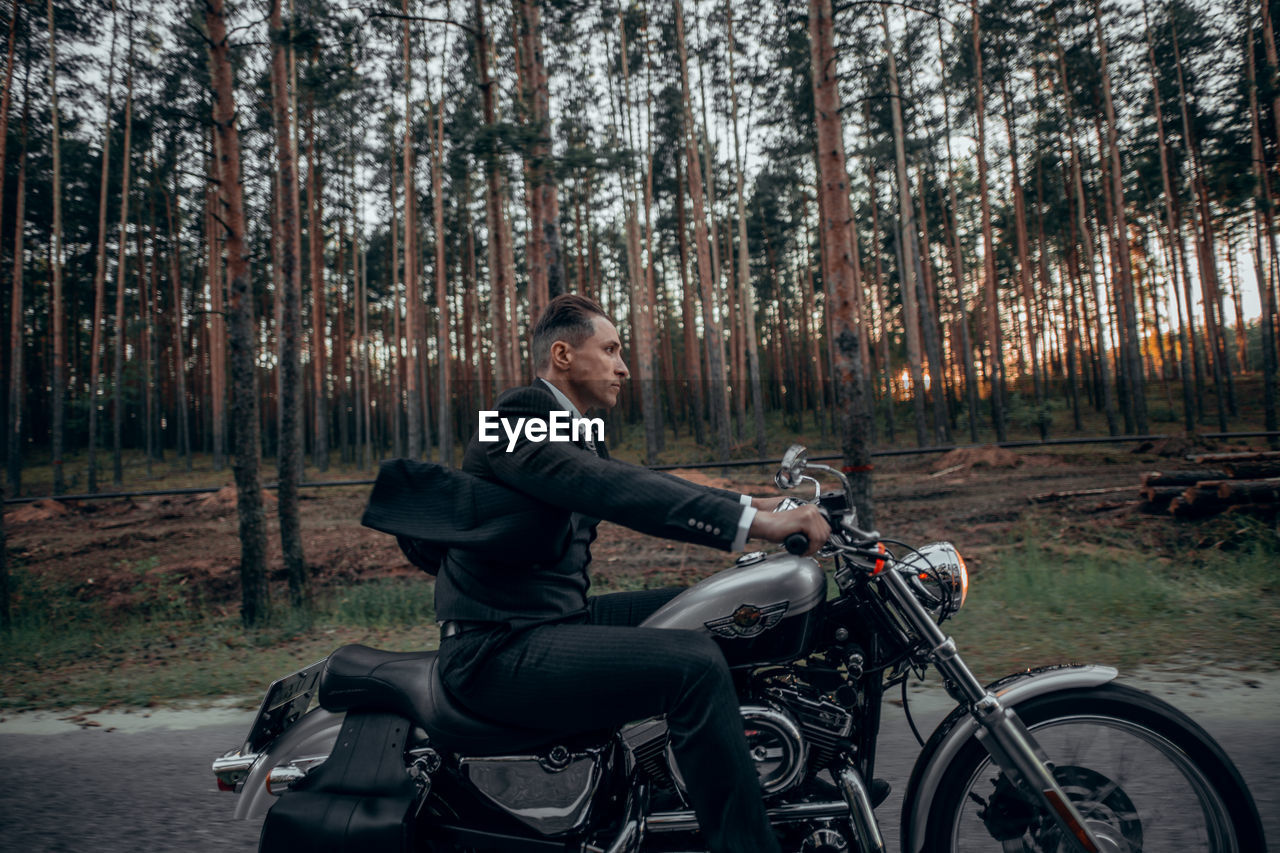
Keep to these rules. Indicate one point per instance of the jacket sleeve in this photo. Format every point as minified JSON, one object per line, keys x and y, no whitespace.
{"x":573,"y":478}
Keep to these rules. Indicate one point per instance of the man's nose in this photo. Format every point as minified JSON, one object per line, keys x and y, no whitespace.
{"x":622,"y":369}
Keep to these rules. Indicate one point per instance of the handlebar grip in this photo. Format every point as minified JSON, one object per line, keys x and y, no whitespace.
{"x":796,"y":543}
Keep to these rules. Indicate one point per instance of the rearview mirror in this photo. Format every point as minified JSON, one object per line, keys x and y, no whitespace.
{"x":794,"y":463}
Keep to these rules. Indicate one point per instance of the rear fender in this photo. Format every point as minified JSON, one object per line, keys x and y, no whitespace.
{"x":953,"y":732}
{"x":314,"y":734}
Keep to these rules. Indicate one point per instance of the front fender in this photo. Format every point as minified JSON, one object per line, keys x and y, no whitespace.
{"x":953,"y":732}
{"x":314,"y":734}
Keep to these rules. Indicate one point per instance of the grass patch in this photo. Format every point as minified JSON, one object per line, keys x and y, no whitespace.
{"x":1109,"y":601}
{"x":65,"y":651}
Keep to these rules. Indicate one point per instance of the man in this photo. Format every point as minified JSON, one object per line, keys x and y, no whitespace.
{"x":524,"y":644}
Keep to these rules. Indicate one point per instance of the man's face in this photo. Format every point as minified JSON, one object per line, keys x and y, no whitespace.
{"x":596,"y":370}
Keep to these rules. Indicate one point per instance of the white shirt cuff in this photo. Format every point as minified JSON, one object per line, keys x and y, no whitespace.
{"x":744,"y":526}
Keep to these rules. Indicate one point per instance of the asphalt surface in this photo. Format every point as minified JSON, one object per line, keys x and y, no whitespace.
{"x":130,"y":781}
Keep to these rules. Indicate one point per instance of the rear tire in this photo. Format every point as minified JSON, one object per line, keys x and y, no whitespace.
{"x":1143,"y":775}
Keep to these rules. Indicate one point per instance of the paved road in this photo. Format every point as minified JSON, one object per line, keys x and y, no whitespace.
{"x":136,"y":782}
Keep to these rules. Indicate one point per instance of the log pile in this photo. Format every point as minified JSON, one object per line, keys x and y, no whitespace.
{"x":1217,"y":482}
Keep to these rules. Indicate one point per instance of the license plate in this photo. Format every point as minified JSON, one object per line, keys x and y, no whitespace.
{"x":286,"y":701}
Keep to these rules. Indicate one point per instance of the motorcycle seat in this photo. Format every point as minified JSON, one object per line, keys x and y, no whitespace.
{"x":358,"y":678}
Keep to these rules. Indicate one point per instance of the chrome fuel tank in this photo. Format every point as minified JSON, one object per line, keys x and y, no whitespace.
{"x":764,"y":609}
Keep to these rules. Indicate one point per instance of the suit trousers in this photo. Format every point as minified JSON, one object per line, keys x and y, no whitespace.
{"x":602,"y":672}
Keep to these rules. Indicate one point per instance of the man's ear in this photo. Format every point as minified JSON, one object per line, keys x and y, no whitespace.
{"x":561,"y":355}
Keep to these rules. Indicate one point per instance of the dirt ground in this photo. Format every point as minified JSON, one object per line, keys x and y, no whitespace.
{"x":112,"y":550}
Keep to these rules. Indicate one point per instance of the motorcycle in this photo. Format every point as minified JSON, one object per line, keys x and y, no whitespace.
{"x":366,"y":751}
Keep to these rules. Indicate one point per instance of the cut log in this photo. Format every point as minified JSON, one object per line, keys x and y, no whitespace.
{"x":1183,"y":477}
{"x":1250,"y":491}
{"x":1252,"y":470}
{"x":1204,"y":493}
{"x":1249,"y":456}
{"x":1160,"y":496}
{"x":1201,"y":505}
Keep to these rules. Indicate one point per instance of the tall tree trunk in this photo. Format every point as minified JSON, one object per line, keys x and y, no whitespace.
{"x":506,"y":373}
{"x":146,"y":309}
{"x":397,"y":367}
{"x":1172,"y":227}
{"x":289,"y":456}
{"x":995,"y":341}
{"x":1205,"y":251}
{"x":929,"y":326}
{"x":255,"y":601}
{"x":1086,"y":236}
{"x":16,"y":323}
{"x":882,"y":302}
{"x":692,"y":357}
{"x":703,"y":245}
{"x":413,"y":332}
{"x":546,"y":277}
{"x":179,"y":348}
{"x":117,"y":408}
{"x":1130,"y":342}
{"x":217,"y":328}
{"x":643,"y":330}
{"x":957,"y":267}
{"x":100,"y":268}
{"x":366,"y":414}
{"x":907,"y":238}
{"x":58,"y":381}
{"x":319,"y":312}
{"x":837,"y":266}
{"x":1024,"y":254}
{"x":443,"y":346}
{"x":1263,"y":225}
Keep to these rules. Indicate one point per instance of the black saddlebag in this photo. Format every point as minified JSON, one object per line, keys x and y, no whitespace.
{"x":357,"y":800}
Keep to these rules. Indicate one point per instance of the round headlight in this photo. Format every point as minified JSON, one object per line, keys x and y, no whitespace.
{"x":938,"y":577}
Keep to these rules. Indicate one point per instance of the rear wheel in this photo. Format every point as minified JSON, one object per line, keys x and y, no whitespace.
{"x":1141,"y":773}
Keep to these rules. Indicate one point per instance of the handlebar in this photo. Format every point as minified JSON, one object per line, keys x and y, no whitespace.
{"x":796,"y":543}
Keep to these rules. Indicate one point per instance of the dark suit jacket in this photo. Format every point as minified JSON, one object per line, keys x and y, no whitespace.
{"x":430,"y":508}
{"x":578,"y":488}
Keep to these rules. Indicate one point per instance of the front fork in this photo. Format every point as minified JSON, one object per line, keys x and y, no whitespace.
{"x":1010,"y":745}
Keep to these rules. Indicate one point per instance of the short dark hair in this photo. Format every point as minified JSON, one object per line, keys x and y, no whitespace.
{"x":569,"y":318}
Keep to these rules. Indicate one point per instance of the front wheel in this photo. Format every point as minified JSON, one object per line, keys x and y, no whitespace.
{"x":1141,"y":773}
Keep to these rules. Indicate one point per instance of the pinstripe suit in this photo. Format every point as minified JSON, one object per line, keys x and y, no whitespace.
{"x":540,"y":653}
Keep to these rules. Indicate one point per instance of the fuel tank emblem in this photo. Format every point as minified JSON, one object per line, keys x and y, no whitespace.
{"x":748,"y":620}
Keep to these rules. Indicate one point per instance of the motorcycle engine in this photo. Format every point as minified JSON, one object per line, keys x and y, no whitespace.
{"x":776,"y":745}
{"x":791,"y":729}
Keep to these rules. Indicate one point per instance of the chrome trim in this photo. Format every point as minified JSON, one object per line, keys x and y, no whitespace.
{"x":282,"y":777}
{"x":313,"y":734}
{"x":686,"y":821}
{"x":862,"y":813}
{"x":577,"y":777}
{"x":1030,"y":686}
{"x":233,"y":767}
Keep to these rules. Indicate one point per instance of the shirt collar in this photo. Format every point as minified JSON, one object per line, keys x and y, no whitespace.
{"x":562,"y":399}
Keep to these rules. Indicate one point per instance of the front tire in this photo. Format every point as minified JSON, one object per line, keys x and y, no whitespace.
{"x":1143,"y":775}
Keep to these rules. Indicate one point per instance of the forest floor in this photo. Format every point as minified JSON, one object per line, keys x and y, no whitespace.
{"x":135,"y":601}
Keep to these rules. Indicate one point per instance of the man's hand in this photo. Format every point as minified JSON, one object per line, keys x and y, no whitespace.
{"x":777,"y":526}
{"x":767,"y":504}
